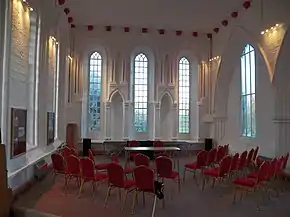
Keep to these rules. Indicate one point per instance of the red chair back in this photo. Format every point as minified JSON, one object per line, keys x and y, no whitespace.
{"x":285,"y":161}
{"x":211,"y":156}
{"x":279,"y":166}
{"x":158,"y":143}
{"x":74,"y":152}
{"x":73,"y":165}
{"x":87,"y":168}
{"x":141,"y":160}
{"x":225,"y":166}
{"x":201,"y":158}
{"x":114,"y":158}
{"x":243,"y":160}
{"x":58,"y":163}
{"x":250,"y":157}
{"x":255,"y":154}
{"x":144,"y":178}
{"x":221,"y":152}
{"x":66,"y":151}
{"x":272,"y":168}
{"x":163,"y":166}
{"x":263,"y":172}
{"x":116,"y":175}
{"x":235,"y":162}
{"x":91,"y":155}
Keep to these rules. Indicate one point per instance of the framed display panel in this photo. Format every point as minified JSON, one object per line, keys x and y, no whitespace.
{"x":50,"y":127}
{"x":18,"y":131}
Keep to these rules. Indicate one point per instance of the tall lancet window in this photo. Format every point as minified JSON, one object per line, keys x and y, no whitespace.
{"x":140,"y":92}
{"x":248,"y":92}
{"x":184,"y":95}
{"x":95,"y":78}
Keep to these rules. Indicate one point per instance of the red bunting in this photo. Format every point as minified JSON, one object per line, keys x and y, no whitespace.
{"x":178,"y":32}
{"x":209,"y":35}
{"x":161,"y":31}
{"x":90,"y":28}
{"x":247,"y":4}
{"x":195,"y":34}
{"x":216,"y":30}
{"x":61,"y":2}
{"x":234,"y":14}
{"x":126,"y":29}
{"x":225,"y":22}
{"x":144,"y":30}
{"x":70,"y":19}
{"x":72,"y":26}
{"x":108,"y":28}
{"x":66,"y":11}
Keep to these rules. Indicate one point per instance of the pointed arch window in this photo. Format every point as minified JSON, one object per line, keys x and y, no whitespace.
{"x":248,"y":92}
{"x":94,"y":101}
{"x":184,"y":95}
{"x":140,"y":80}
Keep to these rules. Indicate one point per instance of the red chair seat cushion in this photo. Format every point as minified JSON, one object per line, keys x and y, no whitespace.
{"x":247,"y":182}
{"x":192,"y":166}
{"x":102,"y":166}
{"x":212,"y":172}
{"x":129,"y":183}
{"x":100,"y":176}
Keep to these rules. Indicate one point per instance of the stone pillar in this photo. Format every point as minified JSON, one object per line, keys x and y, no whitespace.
{"x":175,"y":124}
{"x":219,"y":128}
{"x":282,"y":122}
{"x":108,"y":121}
{"x":157,"y":121}
{"x":126,"y":120}
{"x":151,"y":120}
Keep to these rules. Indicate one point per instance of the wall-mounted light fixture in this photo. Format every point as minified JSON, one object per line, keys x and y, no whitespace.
{"x":273,"y":28}
{"x":214,"y":58}
{"x":27,"y":4}
{"x":69,"y":57}
{"x":53,"y":39}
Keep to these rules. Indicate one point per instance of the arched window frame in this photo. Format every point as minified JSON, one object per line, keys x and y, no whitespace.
{"x":140,"y":107}
{"x":248,"y":92}
{"x":94,"y":112}
{"x":184,"y":88}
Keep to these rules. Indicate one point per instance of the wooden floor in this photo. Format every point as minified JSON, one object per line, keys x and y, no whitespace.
{"x":48,"y":196}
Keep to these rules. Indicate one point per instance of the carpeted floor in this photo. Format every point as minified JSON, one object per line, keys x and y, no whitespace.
{"x":49,"y":196}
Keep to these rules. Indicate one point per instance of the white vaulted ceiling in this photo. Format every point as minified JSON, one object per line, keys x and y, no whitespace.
{"x":170,"y":14}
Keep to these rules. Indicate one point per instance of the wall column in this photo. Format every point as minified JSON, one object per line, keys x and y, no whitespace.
{"x":126,"y":119}
{"x":175,"y":121}
{"x":282,"y":122}
{"x":108,"y":121}
{"x":151,"y":121}
{"x":157,"y":121}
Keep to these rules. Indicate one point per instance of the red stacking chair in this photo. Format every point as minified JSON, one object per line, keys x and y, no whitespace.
{"x":74,"y":152}
{"x":199,"y":164}
{"x":58,"y":164}
{"x":211,"y":157}
{"x":159,"y":143}
{"x":242,"y":161}
{"x":235,"y":163}
{"x":66,"y":151}
{"x":247,"y":184}
{"x":250,"y":158}
{"x":101,"y":166}
{"x":227,"y":149}
{"x":88,"y":174}
{"x":165,"y":170}
{"x":221,"y":153}
{"x":144,"y":182}
{"x":218,"y":173}
{"x":116,"y":180}
{"x":72,"y":170}
{"x":141,"y":160}
{"x":255,"y":155}
{"x":115,"y":159}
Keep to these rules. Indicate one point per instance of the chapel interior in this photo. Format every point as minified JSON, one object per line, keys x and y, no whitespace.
{"x":145,"y":108}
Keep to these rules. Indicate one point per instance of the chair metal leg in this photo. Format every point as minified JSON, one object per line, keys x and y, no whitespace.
{"x":81,"y":188}
{"x":135,"y":198}
{"x":119,"y":194}
{"x":203,"y":183}
{"x":235,"y":193}
{"x":124,"y":200}
{"x":154,"y":206}
{"x":144,"y":200}
{"x":107,"y":197}
{"x":184,"y":173}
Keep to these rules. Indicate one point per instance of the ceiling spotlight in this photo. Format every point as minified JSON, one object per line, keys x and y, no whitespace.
{"x":277,"y":25}
{"x":24,"y":0}
{"x":31,"y":9}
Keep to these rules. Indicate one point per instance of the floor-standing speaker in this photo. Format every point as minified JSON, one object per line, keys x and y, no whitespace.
{"x":208,"y":143}
{"x":87,"y":144}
